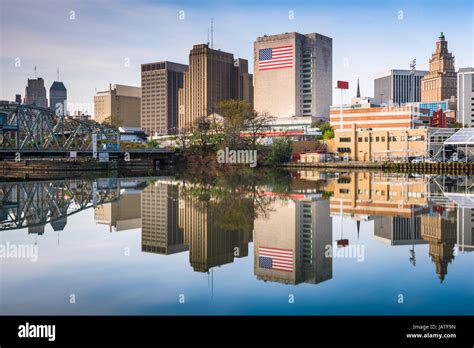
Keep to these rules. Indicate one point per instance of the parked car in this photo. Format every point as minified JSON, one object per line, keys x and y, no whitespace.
{"x":434,"y":160}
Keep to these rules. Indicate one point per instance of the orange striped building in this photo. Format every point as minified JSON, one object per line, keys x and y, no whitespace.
{"x":379,"y":118}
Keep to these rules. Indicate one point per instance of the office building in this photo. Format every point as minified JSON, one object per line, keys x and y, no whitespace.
{"x":160,"y":231}
{"x":441,"y":81}
{"x":448,"y":105}
{"x":388,"y":145}
{"x":58,"y":98}
{"x":122,"y":214}
{"x":398,"y":86}
{"x":366,"y":195}
{"x":119,"y":104}
{"x":290,"y":242}
{"x":35,"y":93}
{"x":213,"y":76}
{"x":465,"y":100}
{"x":160,"y":84}
{"x":212,"y":240}
{"x":398,"y":230}
{"x":378,"y":118}
{"x":293,"y":75}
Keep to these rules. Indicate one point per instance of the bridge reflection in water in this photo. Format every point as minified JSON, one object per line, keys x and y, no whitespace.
{"x":216,"y":222}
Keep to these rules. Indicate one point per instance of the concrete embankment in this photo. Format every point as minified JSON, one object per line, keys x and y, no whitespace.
{"x":427,"y":168}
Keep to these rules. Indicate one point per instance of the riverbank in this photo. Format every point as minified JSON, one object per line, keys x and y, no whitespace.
{"x":422,"y":168}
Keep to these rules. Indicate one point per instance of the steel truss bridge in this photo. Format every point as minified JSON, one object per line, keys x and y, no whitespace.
{"x":27,"y":127}
{"x":34,"y":204}
{"x":36,"y":131}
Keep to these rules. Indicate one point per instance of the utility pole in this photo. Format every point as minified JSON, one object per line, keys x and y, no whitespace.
{"x":342,"y":85}
{"x":412,"y":73}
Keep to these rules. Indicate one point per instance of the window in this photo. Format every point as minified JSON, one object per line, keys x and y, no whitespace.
{"x":345,"y":140}
{"x":377,"y":139}
{"x":383,"y":139}
{"x":366,"y":139}
{"x":344,"y":191}
{"x":359,"y":139}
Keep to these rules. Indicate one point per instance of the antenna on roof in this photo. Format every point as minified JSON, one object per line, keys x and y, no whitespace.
{"x":58,"y":74}
{"x":35,"y":71}
{"x":212,"y":32}
{"x":208,"y":36}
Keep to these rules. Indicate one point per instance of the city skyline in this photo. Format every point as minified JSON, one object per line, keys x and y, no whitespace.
{"x":92,"y":54}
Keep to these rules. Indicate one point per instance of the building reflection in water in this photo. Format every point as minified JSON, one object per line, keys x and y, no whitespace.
{"x":178,"y":218}
{"x":290,"y":242}
{"x":123,"y":214}
{"x":440,"y":230}
{"x":160,"y":231}
{"x":290,"y":239}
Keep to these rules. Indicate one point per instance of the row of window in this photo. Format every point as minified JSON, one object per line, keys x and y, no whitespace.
{"x":391,"y":138}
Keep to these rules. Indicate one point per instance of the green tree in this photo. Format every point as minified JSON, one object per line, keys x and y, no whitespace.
{"x":152,"y":143}
{"x":112,"y":121}
{"x":235,"y":113}
{"x":279,"y":152}
{"x":328,"y":134}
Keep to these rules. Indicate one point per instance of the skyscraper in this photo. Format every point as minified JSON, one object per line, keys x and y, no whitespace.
{"x":35,"y":93}
{"x":466,"y":96}
{"x":212,"y":238}
{"x":213,"y":76}
{"x":290,"y":242}
{"x":160,"y":84}
{"x":293,"y":75}
{"x":160,"y":231}
{"x":440,"y":82}
{"x":58,"y":98}
{"x":398,"y":86}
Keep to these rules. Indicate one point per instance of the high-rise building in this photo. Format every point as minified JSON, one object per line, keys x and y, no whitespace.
{"x":440,"y":232}
{"x":58,"y":98}
{"x":398,"y":230}
{"x":160,"y":84}
{"x":120,"y":104}
{"x":293,"y":75}
{"x":18,"y":98}
{"x":35,"y":93}
{"x":213,"y":76}
{"x":160,"y":231}
{"x":466,"y":96}
{"x":212,"y":240}
{"x":441,"y":80}
{"x":398,"y":86}
{"x":290,"y":242}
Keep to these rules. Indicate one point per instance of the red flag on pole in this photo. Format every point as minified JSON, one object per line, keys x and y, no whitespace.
{"x":342,"y":85}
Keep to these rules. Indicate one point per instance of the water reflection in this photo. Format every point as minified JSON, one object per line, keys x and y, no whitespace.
{"x":291,"y":218}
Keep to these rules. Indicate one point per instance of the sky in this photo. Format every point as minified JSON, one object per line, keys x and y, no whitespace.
{"x":97,"y":42}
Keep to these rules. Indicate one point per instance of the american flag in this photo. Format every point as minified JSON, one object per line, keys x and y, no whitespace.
{"x":273,"y":258}
{"x":275,"y":58}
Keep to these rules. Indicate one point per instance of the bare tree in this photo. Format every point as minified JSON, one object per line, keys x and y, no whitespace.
{"x":256,"y":124}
